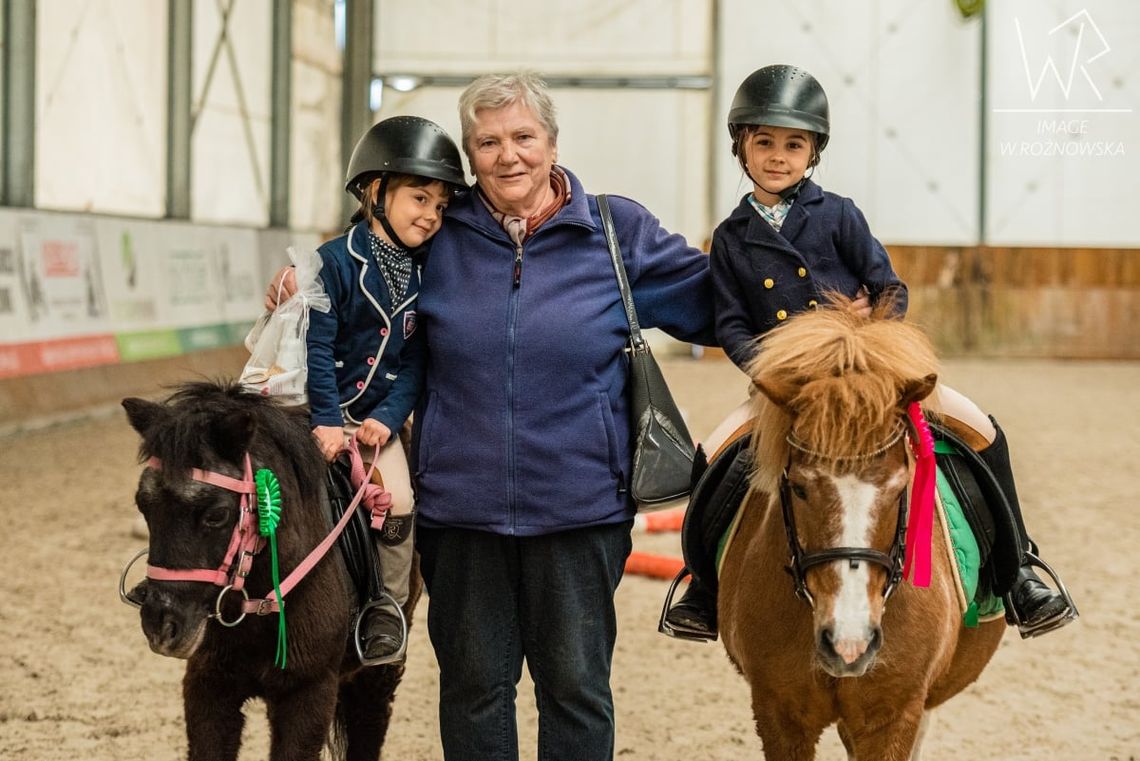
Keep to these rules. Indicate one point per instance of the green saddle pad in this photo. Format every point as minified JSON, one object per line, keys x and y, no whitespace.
{"x":965,"y":547}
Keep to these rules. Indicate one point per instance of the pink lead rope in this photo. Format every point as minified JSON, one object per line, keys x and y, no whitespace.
{"x":378,"y":501}
{"x":919,"y":529}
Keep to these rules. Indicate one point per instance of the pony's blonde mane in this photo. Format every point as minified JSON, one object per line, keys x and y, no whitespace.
{"x":835,"y":382}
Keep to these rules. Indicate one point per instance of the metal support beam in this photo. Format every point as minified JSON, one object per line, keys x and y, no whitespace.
{"x":18,"y":120}
{"x":356,"y":81}
{"x":280,"y":128}
{"x":179,"y":77}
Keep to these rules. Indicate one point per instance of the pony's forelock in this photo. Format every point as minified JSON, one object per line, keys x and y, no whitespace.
{"x":839,"y":376}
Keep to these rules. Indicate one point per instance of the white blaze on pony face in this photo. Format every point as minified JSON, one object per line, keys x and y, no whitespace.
{"x":857,"y":607}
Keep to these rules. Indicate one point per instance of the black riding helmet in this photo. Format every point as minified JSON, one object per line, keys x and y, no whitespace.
{"x":781,"y":96}
{"x":402,"y":145}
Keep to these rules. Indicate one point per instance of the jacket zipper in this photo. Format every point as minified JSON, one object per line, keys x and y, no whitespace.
{"x":512,"y":335}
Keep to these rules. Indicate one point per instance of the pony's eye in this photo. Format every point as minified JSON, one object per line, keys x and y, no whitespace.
{"x":215,"y":517}
{"x":799,"y":491}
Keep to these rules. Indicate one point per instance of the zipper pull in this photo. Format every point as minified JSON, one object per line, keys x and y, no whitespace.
{"x":518,"y":265}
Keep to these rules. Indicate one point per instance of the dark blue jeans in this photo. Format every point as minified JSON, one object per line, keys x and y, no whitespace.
{"x":495,"y":600}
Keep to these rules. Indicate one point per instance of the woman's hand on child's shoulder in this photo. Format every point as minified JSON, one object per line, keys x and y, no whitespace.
{"x":283,"y":285}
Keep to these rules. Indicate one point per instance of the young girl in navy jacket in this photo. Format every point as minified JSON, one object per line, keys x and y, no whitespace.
{"x":365,"y":356}
{"x":788,"y":243}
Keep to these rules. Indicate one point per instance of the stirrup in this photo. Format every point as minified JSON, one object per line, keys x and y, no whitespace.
{"x":670,"y":629}
{"x":383,"y":600}
{"x":1054,"y":622}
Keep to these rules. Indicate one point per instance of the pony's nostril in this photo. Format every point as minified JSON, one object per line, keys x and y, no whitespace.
{"x":169,"y":628}
{"x":827,"y":639}
{"x":876,"y":639}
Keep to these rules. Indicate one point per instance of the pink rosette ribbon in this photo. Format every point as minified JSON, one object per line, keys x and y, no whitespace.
{"x":920,"y":527}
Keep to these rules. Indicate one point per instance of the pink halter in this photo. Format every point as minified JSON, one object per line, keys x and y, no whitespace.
{"x":246,"y":542}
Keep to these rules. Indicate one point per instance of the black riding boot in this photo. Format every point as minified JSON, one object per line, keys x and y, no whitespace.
{"x":383,"y":630}
{"x":694,"y":615}
{"x":381,"y":634}
{"x":1035,"y":607}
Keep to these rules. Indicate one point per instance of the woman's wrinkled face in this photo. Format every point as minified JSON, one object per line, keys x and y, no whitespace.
{"x":512,"y":155}
{"x":777,"y":158}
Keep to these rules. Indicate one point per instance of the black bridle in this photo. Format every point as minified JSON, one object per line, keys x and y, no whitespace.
{"x":800,"y":562}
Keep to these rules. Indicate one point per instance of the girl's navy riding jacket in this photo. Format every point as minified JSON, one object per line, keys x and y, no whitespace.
{"x":524,"y":425}
{"x":365,"y":354}
{"x":761,"y":276}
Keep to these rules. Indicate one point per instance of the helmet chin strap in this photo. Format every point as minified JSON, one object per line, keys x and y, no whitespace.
{"x":789,"y":192}
{"x":378,"y":213}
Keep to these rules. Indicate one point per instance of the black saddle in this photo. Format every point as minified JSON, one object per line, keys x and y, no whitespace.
{"x":355,"y":541}
{"x":718,"y":489}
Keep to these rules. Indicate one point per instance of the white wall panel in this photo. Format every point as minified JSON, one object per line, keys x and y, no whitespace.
{"x":591,"y":36}
{"x":101,"y":105}
{"x":315,"y":171}
{"x":1064,"y":149}
{"x":901,"y":79}
{"x":230,"y":141}
{"x":645,"y":144}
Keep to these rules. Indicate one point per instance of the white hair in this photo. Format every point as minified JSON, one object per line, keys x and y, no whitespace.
{"x":494,"y":91}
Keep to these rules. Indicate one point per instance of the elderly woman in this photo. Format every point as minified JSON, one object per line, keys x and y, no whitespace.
{"x":522,"y":446}
{"x":521,"y":453}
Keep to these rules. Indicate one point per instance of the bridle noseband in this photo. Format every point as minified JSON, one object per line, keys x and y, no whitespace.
{"x":800,"y":562}
{"x":246,"y":542}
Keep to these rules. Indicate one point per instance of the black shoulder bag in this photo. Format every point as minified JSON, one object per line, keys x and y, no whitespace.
{"x":662,"y":447}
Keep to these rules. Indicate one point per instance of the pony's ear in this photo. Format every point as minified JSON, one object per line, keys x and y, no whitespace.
{"x":917,"y":389}
{"x":142,"y":414}
{"x":780,"y":394}
{"x":231,"y":434}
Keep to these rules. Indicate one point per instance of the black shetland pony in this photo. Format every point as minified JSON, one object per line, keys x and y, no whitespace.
{"x":322,"y":695}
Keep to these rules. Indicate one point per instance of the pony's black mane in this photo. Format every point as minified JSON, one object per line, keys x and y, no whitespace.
{"x":193,"y":410}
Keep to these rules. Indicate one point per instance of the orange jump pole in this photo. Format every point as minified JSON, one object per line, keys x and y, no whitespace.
{"x":656,"y":523}
{"x":656,"y":566}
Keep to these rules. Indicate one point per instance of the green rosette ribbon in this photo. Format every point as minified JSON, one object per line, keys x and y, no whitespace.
{"x":268,"y":518}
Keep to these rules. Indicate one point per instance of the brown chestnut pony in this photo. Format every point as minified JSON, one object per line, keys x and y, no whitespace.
{"x":822,"y":646}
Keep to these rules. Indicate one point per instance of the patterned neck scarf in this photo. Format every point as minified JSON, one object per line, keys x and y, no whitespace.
{"x":521,"y":228}
{"x":773,"y":215}
{"x":395,"y":265}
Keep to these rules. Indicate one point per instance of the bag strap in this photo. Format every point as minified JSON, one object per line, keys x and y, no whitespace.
{"x":635,"y":338}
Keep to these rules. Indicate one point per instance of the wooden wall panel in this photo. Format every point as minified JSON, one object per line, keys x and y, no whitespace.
{"x":1025,"y":302}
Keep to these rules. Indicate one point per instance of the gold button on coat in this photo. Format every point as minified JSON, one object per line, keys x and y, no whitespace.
{"x":781,"y":315}
{"x":812,"y":304}
{"x":769,"y":282}
{"x":802,"y":272}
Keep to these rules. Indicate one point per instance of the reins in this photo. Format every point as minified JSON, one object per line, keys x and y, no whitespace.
{"x":245,"y":542}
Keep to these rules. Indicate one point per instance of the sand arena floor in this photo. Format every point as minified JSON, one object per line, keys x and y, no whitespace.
{"x":77,"y":680}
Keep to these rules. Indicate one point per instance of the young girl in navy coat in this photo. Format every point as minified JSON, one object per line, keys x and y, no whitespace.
{"x":365,"y":356}
{"x":785,"y":245}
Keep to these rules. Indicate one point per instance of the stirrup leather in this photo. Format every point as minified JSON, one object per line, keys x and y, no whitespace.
{"x":670,"y":629}
{"x":1056,"y":621}
{"x":384,"y":600}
